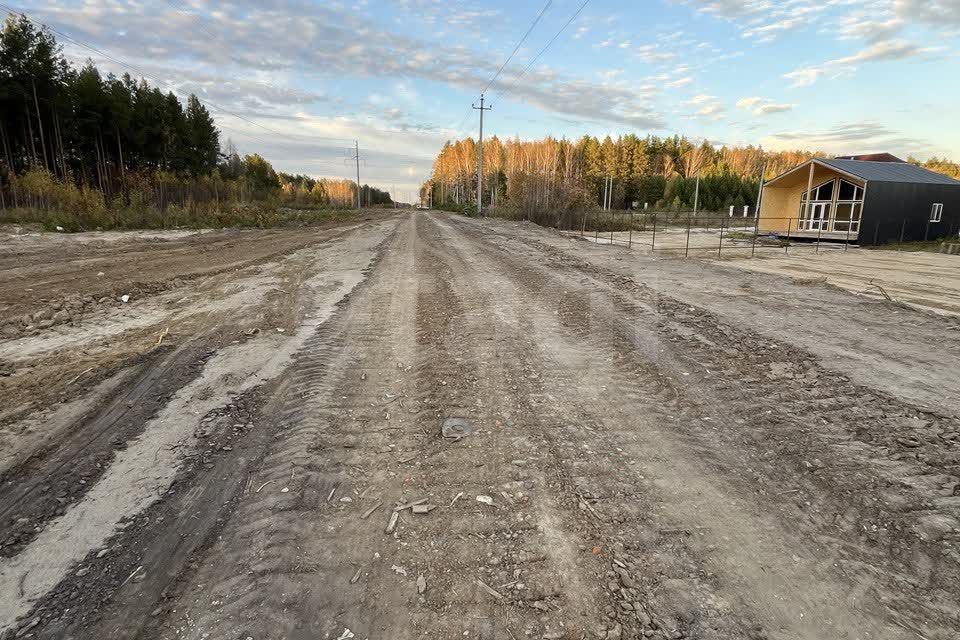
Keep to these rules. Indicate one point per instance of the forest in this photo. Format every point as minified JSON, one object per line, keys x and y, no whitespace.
{"x":648,"y":172}
{"x":84,"y":150}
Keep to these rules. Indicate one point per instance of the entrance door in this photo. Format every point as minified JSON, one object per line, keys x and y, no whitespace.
{"x":819,"y":216}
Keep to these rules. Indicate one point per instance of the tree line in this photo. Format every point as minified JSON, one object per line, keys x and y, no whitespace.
{"x":659,"y":173}
{"x":73,"y":139}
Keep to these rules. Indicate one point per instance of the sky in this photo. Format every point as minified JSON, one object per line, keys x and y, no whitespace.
{"x":299,"y":81}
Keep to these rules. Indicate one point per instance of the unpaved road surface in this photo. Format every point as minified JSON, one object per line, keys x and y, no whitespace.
{"x":636,"y":447}
{"x":930,"y":281}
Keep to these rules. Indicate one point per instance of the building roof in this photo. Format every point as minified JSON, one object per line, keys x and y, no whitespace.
{"x":874,"y":157}
{"x":887,"y":171}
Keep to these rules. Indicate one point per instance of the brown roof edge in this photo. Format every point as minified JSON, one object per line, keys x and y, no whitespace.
{"x":872,"y":157}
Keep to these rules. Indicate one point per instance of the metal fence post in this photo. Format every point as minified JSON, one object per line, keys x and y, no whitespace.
{"x":876,"y":234}
{"x":583,"y":229}
{"x":819,"y":230}
{"x":846,"y":245}
{"x":630,"y":234}
{"x":786,"y":247}
{"x":612,"y":225}
{"x":926,"y":232}
{"x":686,"y":251}
{"x":653,"y":241}
{"x":903,"y":227}
{"x":756,"y":231}
{"x":720,"y":246}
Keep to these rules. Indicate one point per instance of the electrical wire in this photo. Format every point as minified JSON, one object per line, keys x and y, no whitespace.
{"x":530,"y":64}
{"x":519,"y":44}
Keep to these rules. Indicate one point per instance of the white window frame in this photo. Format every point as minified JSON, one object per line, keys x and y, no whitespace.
{"x":936,"y":212}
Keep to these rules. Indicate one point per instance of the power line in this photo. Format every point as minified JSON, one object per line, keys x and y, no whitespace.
{"x":544,"y":50}
{"x":519,"y":44}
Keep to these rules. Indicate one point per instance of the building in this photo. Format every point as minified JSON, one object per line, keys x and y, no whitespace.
{"x":865,"y":199}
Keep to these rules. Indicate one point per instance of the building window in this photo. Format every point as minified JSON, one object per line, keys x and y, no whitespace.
{"x":936,"y":212}
{"x":821,"y":193}
{"x":849,"y":191}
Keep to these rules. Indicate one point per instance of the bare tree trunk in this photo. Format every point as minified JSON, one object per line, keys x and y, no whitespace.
{"x":63,"y":153}
{"x":43,"y":143}
{"x":123,"y":174}
{"x":107,"y":186}
{"x":96,"y":147}
{"x":29,"y":129}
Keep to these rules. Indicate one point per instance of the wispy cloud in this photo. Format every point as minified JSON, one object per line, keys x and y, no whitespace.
{"x":885,"y":50}
{"x":762,"y":106}
{"x":850,"y":137}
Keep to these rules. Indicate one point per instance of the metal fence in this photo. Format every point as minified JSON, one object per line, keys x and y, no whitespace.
{"x":705,"y":234}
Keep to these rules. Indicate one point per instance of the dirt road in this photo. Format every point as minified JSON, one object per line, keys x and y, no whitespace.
{"x":424,"y":426}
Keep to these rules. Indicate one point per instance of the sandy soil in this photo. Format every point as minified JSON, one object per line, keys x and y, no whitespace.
{"x":654,"y":448}
{"x":925,"y":280}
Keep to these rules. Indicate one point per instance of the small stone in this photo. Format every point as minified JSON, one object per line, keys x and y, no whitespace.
{"x":421,"y":584}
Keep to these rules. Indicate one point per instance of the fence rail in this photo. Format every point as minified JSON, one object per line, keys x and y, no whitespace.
{"x":670,"y":232}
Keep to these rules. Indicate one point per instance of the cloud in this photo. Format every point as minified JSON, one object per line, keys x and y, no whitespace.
{"x":861,"y":26}
{"x":936,"y":13}
{"x":880,"y":51}
{"x":886,"y":50}
{"x":710,"y":109}
{"x":762,"y":20}
{"x":327,"y":41}
{"x":679,"y":82}
{"x":772,"y":107}
{"x":852,"y":137}
{"x":762,"y":106}
{"x":654,"y":54}
{"x":706,"y":106}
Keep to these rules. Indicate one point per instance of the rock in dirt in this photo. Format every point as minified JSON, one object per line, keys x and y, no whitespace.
{"x":423,"y":508}
{"x":456,"y":428}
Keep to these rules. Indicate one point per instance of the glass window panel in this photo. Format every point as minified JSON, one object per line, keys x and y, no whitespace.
{"x":848,"y":191}
{"x":824,"y":191}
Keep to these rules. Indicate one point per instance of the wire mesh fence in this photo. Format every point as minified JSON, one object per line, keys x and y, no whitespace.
{"x":724,"y":235}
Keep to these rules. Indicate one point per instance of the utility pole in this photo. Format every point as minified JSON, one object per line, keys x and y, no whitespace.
{"x":696,"y":196}
{"x":356,"y":157}
{"x":763,"y":176}
{"x":481,"y":109}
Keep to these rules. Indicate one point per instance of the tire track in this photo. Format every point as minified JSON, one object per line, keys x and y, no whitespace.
{"x":682,"y":344}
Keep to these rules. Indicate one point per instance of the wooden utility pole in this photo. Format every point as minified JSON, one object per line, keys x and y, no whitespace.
{"x":696,"y":196}
{"x":356,"y":156}
{"x":763,"y":177}
{"x":481,"y":109}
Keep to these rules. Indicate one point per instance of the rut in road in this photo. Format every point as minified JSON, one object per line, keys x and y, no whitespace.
{"x":645,"y":471}
{"x":363,"y":406}
{"x":788,"y":476}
